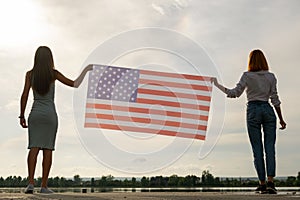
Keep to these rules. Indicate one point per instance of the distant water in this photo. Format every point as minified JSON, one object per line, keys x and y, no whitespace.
{"x":180,"y":189}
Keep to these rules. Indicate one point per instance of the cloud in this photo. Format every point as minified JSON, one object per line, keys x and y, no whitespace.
{"x":169,"y":7}
{"x":139,"y":160}
{"x":158,"y":8}
{"x":12,"y":106}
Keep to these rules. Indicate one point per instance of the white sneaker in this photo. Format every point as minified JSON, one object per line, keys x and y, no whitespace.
{"x":29,"y":189}
{"x":45,"y":190}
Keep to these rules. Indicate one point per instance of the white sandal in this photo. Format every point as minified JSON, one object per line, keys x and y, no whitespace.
{"x":29,"y":189}
{"x":45,"y":190}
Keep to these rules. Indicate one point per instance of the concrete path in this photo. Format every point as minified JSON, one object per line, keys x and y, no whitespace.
{"x":151,"y":196}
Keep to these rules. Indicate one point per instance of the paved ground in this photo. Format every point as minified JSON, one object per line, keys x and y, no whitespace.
{"x":151,"y":196}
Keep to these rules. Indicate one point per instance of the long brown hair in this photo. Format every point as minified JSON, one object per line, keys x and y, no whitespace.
{"x":42,"y":73}
{"x":257,"y":61}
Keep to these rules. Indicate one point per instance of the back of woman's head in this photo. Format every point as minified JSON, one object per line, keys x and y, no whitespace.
{"x":257,"y":61}
{"x":42,"y":73}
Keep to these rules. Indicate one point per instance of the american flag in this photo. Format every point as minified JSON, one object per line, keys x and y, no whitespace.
{"x":147,"y":101}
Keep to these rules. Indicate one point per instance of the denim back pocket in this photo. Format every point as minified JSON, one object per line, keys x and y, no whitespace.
{"x":252,"y":112}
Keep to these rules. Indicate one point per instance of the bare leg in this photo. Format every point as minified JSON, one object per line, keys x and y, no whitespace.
{"x":31,"y":162}
{"x":47,"y":161}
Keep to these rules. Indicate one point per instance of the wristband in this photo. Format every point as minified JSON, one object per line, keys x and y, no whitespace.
{"x":21,"y":117}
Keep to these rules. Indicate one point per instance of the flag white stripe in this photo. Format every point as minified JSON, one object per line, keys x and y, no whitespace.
{"x":174,"y":99}
{"x":176,"y":80}
{"x":146,"y":116}
{"x":174,"y":89}
{"x":144,"y":125}
{"x":147,"y":106}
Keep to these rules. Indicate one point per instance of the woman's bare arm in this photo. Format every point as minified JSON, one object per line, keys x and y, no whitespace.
{"x":63,"y":79}
{"x":24,"y":99}
{"x":80,"y":78}
{"x":73,"y":83}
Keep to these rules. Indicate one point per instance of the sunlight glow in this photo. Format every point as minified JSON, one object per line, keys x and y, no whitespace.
{"x":19,"y":22}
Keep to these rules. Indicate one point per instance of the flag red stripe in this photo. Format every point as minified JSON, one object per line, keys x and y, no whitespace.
{"x":146,"y":120}
{"x":172,"y":104}
{"x":144,"y":130}
{"x":146,"y":110}
{"x":174,"y":84}
{"x":173,"y":94}
{"x":174,"y":75}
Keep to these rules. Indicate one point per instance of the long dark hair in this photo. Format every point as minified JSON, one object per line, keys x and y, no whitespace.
{"x":42,"y":73}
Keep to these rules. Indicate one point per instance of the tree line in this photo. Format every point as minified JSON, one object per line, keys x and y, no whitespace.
{"x":206,"y":180}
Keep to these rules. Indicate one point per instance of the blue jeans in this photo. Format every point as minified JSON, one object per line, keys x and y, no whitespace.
{"x":260,"y":115}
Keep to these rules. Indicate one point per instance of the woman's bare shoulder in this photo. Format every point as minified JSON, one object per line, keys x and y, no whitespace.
{"x":56,"y":73}
{"x":28,"y":73}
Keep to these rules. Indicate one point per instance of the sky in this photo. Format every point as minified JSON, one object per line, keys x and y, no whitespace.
{"x":226,"y":31}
